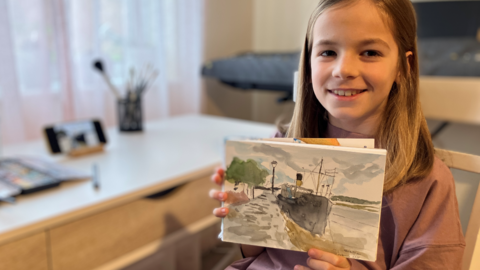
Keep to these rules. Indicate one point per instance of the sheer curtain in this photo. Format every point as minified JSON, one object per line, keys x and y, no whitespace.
{"x":47,"y":48}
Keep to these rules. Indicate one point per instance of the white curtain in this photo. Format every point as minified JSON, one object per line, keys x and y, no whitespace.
{"x":47,"y":48}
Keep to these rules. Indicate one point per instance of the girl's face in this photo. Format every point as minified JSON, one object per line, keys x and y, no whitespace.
{"x":354,"y":64}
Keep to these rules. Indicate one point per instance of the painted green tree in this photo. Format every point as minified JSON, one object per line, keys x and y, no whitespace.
{"x":247,"y":172}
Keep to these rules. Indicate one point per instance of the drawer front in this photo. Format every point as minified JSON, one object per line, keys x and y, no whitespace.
{"x":97,"y":239}
{"x":27,"y":253}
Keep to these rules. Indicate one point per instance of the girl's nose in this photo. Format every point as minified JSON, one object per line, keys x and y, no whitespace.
{"x":345,"y":68}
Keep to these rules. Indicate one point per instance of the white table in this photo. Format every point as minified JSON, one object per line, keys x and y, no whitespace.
{"x":168,"y":153}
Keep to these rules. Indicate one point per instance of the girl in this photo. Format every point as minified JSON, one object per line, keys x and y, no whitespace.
{"x":359,"y":79}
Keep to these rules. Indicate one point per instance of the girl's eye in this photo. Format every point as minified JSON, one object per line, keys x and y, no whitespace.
{"x":328,"y":53}
{"x":371,"y":53}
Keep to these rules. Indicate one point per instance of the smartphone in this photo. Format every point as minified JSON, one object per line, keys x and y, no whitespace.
{"x":69,"y":136}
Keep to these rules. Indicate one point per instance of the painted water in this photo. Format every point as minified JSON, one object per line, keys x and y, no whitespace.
{"x":349,"y":232}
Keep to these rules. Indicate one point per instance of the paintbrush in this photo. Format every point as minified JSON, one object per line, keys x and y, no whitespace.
{"x":98,"y":65}
{"x":151,"y":78}
{"x":131,"y":84}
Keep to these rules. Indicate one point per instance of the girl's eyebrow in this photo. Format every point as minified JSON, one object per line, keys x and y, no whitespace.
{"x":364,"y":42}
{"x":374,"y":41}
{"x":325,"y":42}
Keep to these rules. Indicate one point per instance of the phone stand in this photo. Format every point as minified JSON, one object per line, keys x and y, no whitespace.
{"x":86,"y":150}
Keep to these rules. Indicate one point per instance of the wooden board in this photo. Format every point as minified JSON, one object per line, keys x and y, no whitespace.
{"x":95,"y":240}
{"x":27,"y":253}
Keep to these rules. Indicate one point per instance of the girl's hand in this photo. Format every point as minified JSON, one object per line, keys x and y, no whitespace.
{"x":322,"y":260}
{"x":217,"y":178}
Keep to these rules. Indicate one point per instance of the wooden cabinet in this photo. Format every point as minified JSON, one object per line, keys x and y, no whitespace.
{"x":95,"y":240}
{"x":26,"y":253}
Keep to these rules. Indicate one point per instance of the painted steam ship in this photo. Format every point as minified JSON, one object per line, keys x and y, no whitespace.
{"x":309,"y":208}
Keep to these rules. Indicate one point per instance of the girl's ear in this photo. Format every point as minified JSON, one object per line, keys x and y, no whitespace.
{"x":407,"y":55}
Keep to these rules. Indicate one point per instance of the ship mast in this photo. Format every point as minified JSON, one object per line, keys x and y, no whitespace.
{"x":319,"y":175}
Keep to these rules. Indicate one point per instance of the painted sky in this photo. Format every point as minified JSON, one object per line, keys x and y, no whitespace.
{"x":359,"y":175}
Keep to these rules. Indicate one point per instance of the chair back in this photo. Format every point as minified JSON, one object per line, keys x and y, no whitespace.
{"x":469,"y":163}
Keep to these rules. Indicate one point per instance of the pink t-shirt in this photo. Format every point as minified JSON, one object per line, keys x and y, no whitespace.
{"x":419,"y":227}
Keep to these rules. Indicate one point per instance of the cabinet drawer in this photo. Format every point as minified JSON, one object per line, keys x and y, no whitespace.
{"x":27,"y":253}
{"x":97,"y":239}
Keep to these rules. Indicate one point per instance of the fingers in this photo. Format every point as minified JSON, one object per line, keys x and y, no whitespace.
{"x":319,"y":265}
{"x":300,"y":267}
{"x":327,"y":257}
{"x":218,"y":176}
{"x":220,"y":171}
{"x":217,"y":179}
{"x":218,"y":195}
{"x":221,"y":212}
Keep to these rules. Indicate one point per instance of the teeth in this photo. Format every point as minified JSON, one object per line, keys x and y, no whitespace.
{"x":347,"y":93}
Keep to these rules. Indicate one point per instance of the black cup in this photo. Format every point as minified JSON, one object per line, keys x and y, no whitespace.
{"x":130,"y":114}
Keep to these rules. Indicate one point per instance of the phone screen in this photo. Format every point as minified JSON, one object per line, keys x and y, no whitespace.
{"x":65,"y":137}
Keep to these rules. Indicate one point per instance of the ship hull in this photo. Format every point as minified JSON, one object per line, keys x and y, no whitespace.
{"x":307,"y":210}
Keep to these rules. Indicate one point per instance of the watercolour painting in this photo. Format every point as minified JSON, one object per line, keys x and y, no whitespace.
{"x":297,"y":196}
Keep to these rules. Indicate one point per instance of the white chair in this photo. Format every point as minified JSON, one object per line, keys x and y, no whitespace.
{"x":470,"y":163}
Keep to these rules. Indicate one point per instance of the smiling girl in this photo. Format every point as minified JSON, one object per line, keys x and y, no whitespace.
{"x":358,"y":78}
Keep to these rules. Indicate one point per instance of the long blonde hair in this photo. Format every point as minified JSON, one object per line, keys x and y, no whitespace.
{"x":403,"y":129}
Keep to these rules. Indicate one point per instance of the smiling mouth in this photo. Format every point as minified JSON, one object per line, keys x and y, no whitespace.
{"x":346,"y":93}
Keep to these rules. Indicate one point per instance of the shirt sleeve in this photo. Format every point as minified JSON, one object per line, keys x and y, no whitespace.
{"x":427,"y":230}
{"x":431,"y":257}
{"x":435,"y":240}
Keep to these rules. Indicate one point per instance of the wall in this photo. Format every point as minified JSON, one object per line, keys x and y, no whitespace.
{"x":279,"y":26}
{"x":228,"y":31}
